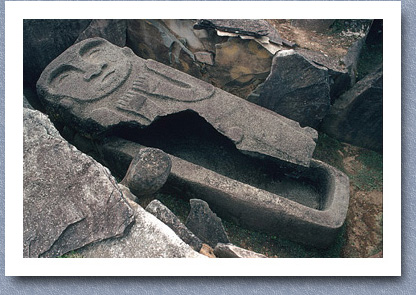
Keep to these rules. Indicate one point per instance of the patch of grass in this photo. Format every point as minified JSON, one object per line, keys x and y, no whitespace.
{"x":328,"y":150}
{"x":180,"y":207}
{"x":370,"y":177}
{"x":71,"y":254}
{"x":274,"y":246}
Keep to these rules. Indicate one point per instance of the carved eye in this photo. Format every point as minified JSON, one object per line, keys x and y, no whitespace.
{"x":93,"y":54}
{"x":63,"y":74}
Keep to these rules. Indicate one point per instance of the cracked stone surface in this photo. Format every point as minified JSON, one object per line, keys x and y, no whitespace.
{"x":69,"y":200}
{"x":96,"y":86}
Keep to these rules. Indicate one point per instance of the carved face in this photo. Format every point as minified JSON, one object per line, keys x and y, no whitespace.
{"x":89,"y":70}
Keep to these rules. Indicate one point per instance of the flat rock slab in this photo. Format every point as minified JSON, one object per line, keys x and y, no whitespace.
{"x":357,"y":116}
{"x":232,"y":251}
{"x":167,"y":217}
{"x":148,"y":238}
{"x":205,"y":224}
{"x":95,"y":86}
{"x":69,"y":200}
{"x":297,"y":89}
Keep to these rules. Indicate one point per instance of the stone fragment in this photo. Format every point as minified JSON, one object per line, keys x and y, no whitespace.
{"x":232,"y":251}
{"x":147,"y":238}
{"x":113,"y":30}
{"x":207,"y":251}
{"x":249,"y":27}
{"x":205,"y":224}
{"x":205,"y":57}
{"x":167,"y":217}
{"x":297,"y":89}
{"x":317,"y":25}
{"x":69,"y":200}
{"x":148,"y":172}
{"x":357,"y":116}
{"x":118,"y":89}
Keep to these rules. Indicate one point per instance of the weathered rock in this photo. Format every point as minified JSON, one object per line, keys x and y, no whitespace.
{"x":167,"y":217}
{"x":207,"y":251}
{"x":119,"y":89}
{"x":239,"y":63}
{"x":339,"y":77}
{"x":44,"y":40}
{"x":205,"y":57}
{"x":205,"y":224}
{"x":113,"y":30}
{"x":69,"y":200}
{"x":357,"y":116}
{"x":249,"y":27}
{"x":297,"y":89}
{"x":224,"y":60}
{"x":310,"y":208}
{"x":152,"y":39}
{"x":232,"y":251}
{"x":148,"y":172}
{"x":317,"y":25}
{"x":147,"y":238}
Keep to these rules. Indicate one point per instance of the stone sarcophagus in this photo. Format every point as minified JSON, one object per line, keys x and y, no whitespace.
{"x":101,"y":91}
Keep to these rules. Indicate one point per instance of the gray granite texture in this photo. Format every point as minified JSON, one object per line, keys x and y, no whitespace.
{"x":69,"y":199}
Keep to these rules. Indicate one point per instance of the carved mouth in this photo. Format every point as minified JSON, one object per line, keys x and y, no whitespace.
{"x":108,"y":75}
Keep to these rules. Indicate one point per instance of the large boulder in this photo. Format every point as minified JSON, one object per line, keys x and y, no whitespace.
{"x":148,"y":172}
{"x":296,"y":88}
{"x":69,"y":200}
{"x":166,"y":216}
{"x":205,"y":224}
{"x":357,"y":116}
{"x":148,"y":238}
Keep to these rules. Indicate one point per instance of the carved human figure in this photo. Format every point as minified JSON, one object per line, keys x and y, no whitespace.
{"x":97,"y":85}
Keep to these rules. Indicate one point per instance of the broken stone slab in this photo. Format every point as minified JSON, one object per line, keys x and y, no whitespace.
{"x":69,"y":200}
{"x":113,"y":30}
{"x":148,"y":238}
{"x":148,"y":172}
{"x":222,"y":250}
{"x":310,"y":209}
{"x":95,"y":86}
{"x":167,"y":217}
{"x":205,"y":224}
{"x":357,"y":116}
{"x":249,"y":27}
{"x":297,"y":89}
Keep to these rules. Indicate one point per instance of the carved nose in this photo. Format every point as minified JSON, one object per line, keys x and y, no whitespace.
{"x":94,"y":71}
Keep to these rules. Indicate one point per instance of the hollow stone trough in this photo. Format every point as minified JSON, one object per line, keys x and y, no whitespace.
{"x":99,"y":90}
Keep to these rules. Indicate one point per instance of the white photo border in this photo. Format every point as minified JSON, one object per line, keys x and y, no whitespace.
{"x":389,"y":265}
